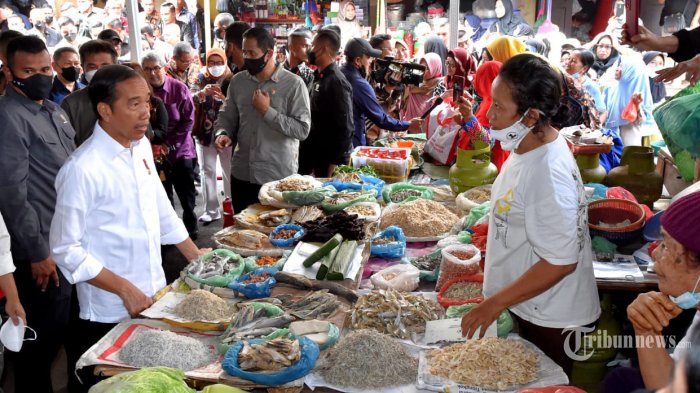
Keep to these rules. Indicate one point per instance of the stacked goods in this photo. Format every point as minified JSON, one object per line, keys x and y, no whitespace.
{"x":420,"y":218}
{"x":201,"y":305}
{"x":395,"y":313}
{"x":365,"y":359}
{"x":160,"y":348}
{"x":491,"y":363}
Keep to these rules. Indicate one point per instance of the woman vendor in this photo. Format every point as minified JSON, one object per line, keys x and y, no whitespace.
{"x":677,"y":265}
{"x":538,"y":255}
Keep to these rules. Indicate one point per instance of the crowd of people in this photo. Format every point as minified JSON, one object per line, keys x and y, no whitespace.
{"x":95,"y":147}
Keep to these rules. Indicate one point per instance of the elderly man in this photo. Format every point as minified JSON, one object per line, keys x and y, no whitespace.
{"x":36,"y":141}
{"x":112,"y":214}
{"x":179,"y":167}
{"x":66,"y":64}
{"x":265,"y":115}
{"x":221,"y":22}
{"x":184,"y":65}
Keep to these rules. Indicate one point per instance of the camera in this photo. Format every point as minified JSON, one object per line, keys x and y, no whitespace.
{"x":395,"y":73}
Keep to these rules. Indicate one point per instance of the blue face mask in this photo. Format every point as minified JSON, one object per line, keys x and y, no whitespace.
{"x":576,"y":75}
{"x":687,"y":300}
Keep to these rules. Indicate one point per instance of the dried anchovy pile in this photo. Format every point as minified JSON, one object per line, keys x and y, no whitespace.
{"x":160,"y":348}
{"x":201,"y":305}
{"x":365,"y":359}
{"x":427,"y":262}
{"x":491,"y":362}
{"x":464,"y":290}
{"x":400,"y":195}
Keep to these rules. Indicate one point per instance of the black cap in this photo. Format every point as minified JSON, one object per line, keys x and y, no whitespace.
{"x":357,"y":47}
{"x":108,"y":35}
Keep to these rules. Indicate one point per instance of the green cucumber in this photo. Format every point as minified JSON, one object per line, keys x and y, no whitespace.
{"x":327,"y":263}
{"x":342,"y":261}
{"x":324,"y":250}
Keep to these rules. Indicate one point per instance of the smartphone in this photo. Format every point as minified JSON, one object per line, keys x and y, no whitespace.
{"x":458,"y":88}
{"x":632,"y":17}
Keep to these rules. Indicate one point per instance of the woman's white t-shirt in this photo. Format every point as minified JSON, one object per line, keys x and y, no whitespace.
{"x":539,"y":211}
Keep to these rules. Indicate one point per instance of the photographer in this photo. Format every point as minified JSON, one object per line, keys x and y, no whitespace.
{"x":389,"y":95}
{"x":365,"y":104}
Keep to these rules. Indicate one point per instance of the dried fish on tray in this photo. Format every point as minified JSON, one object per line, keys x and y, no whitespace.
{"x":395,"y":313}
{"x":307,"y":213}
{"x":254,"y":322}
{"x":246,"y":242}
{"x":262,"y":218}
{"x":492,"y":364}
{"x":315,"y":305}
{"x":272,"y":355}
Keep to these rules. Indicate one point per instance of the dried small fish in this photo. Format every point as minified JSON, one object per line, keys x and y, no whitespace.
{"x":307,"y":213}
{"x":315,"y":305}
{"x":274,"y":218}
{"x":272,"y":355}
{"x":395,"y":313}
{"x":464,"y":290}
{"x":201,"y":305}
{"x":294,"y":184}
{"x":246,"y":238}
{"x":427,"y":262}
{"x":215,"y":265}
{"x":252,"y":323}
{"x":400,"y":195}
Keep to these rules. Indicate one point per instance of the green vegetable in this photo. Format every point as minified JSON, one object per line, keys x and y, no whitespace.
{"x":324,"y":250}
{"x":328,"y":261}
{"x":365,"y":170}
{"x":342,"y":260}
{"x":145,"y":380}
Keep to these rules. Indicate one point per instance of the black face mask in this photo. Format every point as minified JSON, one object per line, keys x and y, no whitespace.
{"x":70,"y":37}
{"x":312,"y":57}
{"x":255,"y":66}
{"x":39,"y":25}
{"x":37,"y":87}
{"x":71,"y":74}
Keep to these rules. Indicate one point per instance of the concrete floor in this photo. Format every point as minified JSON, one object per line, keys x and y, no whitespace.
{"x":173,"y":263}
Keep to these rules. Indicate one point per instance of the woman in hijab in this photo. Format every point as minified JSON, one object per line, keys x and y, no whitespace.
{"x":508,"y":22}
{"x":419,"y":98}
{"x":483,"y":81}
{"x":503,"y":48}
{"x":535,"y":45}
{"x":606,"y":57}
{"x":655,"y":62}
{"x":436,"y":45}
{"x":458,"y":63}
{"x":208,"y":101}
{"x":633,"y":85}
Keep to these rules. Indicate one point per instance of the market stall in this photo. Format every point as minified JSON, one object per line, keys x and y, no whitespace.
{"x":355,"y":283}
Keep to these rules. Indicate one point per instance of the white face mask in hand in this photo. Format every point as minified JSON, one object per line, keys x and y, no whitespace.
{"x":512,"y":136}
{"x":12,"y":336}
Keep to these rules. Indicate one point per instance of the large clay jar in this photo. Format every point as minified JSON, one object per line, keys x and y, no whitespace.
{"x":473,"y":168}
{"x":637,"y":174}
{"x":591,"y":170}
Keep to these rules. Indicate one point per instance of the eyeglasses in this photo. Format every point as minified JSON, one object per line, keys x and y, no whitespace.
{"x":156,"y":69}
{"x":215,"y":63}
{"x":188,"y":62}
{"x":604,"y":46}
{"x":450,"y":63}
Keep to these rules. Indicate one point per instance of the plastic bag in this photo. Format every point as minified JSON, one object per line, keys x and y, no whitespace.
{"x":251,"y":263}
{"x":309,"y":355}
{"x":369,"y":183}
{"x":678,"y":119}
{"x":402,"y":278}
{"x":395,"y":249}
{"x":622,"y":193}
{"x":504,"y":322}
{"x":465,"y":204}
{"x":365,"y":196}
{"x":286,"y":242}
{"x":473,"y":278}
{"x":145,"y":380}
{"x":306,"y":198}
{"x":630,"y":113}
{"x":271,"y":310}
{"x":453,"y":266}
{"x":425,"y":192}
{"x":477,"y":213}
{"x":258,"y":289}
{"x":220,"y":281}
{"x":333,"y":337}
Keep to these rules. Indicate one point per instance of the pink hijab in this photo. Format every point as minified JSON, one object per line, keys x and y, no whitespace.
{"x":418,"y":103}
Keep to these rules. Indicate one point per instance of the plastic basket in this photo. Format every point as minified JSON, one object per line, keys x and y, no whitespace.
{"x":616,"y":210}
{"x":389,"y":170}
{"x":446,"y":302}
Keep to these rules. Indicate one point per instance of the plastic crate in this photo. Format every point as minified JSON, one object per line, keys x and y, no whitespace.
{"x":389,"y":170}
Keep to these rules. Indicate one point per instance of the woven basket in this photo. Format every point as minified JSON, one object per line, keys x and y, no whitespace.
{"x":616,"y":210}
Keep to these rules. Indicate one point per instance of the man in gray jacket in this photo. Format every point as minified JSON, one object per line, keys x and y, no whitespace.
{"x":265,"y":115}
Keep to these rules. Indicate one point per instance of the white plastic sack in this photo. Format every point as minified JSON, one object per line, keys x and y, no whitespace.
{"x":403,"y":278}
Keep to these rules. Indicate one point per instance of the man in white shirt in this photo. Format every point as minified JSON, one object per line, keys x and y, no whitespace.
{"x":112,"y":213}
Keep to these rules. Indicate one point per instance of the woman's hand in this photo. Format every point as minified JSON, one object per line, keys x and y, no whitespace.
{"x":637,"y":98}
{"x":651,"y":312}
{"x":465,"y":108}
{"x":480,"y":318}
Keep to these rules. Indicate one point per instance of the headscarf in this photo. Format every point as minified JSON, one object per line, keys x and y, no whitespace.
{"x":483,"y":82}
{"x":600,"y":66}
{"x":658,"y":89}
{"x":633,"y":80}
{"x":535,"y":45}
{"x":216,"y":52}
{"x":503,"y":48}
{"x":466,"y":67}
{"x":511,"y":24}
{"x":418,"y":103}
{"x":435,"y":44}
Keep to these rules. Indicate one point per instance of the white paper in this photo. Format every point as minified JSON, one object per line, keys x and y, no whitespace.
{"x":622,"y":267}
{"x":295,"y":262}
{"x":164,"y":308}
{"x":450,"y":330}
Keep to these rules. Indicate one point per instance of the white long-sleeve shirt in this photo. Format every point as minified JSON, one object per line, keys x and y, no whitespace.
{"x":111,"y":212}
{"x":6,"y":264}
